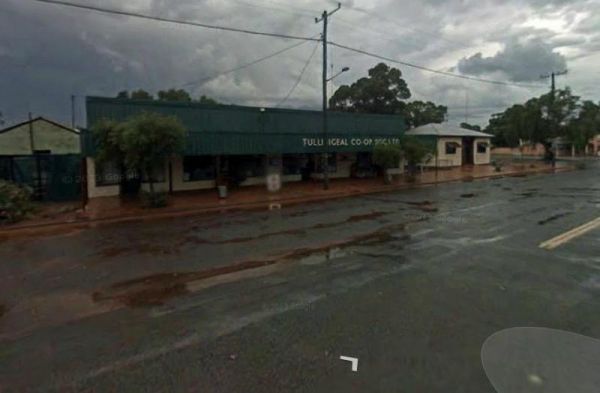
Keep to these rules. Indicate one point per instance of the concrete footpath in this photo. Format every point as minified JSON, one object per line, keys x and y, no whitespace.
{"x":110,"y":210}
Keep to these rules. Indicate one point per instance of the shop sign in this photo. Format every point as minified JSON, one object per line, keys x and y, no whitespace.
{"x":344,"y":142}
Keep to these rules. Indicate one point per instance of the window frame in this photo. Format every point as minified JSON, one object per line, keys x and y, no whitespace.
{"x":453,"y":146}
{"x":101,"y":174}
{"x":212,"y":167}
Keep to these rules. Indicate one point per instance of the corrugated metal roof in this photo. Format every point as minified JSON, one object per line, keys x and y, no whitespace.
{"x":446,"y":130}
{"x":229,"y":129}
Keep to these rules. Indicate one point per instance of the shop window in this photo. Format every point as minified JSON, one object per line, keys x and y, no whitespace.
{"x":293,"y":164}
{"x":331,"y":163}
{"x":197,"y":168}
{"x":108,"y":174}
{"x":451,"y":148}
{"x":244,"y":167}
{"x":482,"y":147}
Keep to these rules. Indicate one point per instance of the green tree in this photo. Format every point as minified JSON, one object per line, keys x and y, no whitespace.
{"x":207,"y":100}
{"x":123,"y":95}
{"x":418,"y":113}
{"x":178,"y":95}
{"x":383,"y":91}
{"x":387,"y":156}
{"x":107,"y":134}
{"x":538,"y":120}
{"x":147,"y":139}
{"x":141,"y":94}
{"x":139,"y":144}
{"x":468,"y":126}
{"x":585,"y":126}
{"x":415,"y":152}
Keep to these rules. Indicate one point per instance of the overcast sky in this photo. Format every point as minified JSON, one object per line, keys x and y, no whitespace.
{"x":48,"y":52}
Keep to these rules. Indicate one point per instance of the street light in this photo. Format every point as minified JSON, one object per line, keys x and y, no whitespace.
{"x":339,"y":73}
{"x":325,"y":163}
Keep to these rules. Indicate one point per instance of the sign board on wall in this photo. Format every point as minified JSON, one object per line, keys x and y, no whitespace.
{"x":345,"y":142}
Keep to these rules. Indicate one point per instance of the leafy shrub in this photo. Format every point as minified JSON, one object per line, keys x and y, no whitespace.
{"x":415,"y":152}
{"x":15,"y":202}
{"x":497,"y":165}
{"x":387,"y":156}
{"x":154,"y":199}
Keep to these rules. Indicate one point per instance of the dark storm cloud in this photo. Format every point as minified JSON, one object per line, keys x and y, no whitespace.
{"x":519,"y":61}
{"x":49,"y":52}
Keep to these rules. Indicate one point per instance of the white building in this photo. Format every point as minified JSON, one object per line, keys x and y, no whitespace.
{"x":456,"y":146}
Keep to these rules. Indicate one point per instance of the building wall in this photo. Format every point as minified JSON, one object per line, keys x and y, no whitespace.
{"x":481,"y":158}
{"x":344,"y":164}
{"x":593,"y":147}
{"x":95,"y":191}
{"x":343,"y":170}
{"x":447,"y":160}
{"x":180,"y":185}
{"x":536,"y":150}
{"x":46,"y":136}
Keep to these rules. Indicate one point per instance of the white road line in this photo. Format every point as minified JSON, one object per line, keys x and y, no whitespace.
{"x":570,"y":235}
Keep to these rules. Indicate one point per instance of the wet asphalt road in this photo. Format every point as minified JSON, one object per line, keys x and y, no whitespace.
{"x":410,"y":282}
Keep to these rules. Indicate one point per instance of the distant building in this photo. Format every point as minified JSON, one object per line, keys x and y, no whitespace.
{"x":242,"y":145}
{"x":593,"y":146}
{"x":39,"y":135}
{"x":564,"y":148}
{"x":44,"y":155}
{"x":455,"y":146}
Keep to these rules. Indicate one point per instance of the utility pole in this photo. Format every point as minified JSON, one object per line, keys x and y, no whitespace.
{"x":73,"y":111}
{"x":466,"y":106}
{"x":552,"y":77}
{"x":325,"y":157}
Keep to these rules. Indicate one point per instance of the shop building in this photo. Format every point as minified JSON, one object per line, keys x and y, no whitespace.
{"x":455,"y":146}
{"x":243,"y":145}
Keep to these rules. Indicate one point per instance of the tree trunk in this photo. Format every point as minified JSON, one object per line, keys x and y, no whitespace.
{"x":149,"y":174}
{"x":387,"y":177}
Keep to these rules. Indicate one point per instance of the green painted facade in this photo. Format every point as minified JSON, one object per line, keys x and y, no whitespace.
{"x":228,"y":129}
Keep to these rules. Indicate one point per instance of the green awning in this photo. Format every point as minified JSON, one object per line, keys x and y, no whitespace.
{"x":228,"y":129}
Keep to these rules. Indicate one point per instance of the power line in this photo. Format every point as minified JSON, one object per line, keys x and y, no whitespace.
{"x":240,"y":67}
{"x":423,"y":68}
{"x":275,"y":35}
{"x":176,"y":21}
{"x":278,"y":9}
{"x":299,"y":77}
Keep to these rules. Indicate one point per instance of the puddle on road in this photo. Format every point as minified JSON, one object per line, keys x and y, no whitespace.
{"x":527,"y":194}
{"x":157,"y":289}
{"x":318,"y":258}
{"x":578,"y":189}
{"x":367,"y":216}
{"x":424,"y":206}
{"x":48,"y":309}
{"x":553,"y":218}
{"x":297,"y":231}
{"x":143,"y":248}
{"x":592,"y":283}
